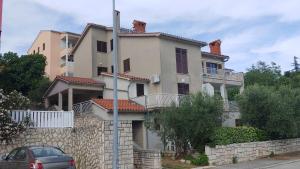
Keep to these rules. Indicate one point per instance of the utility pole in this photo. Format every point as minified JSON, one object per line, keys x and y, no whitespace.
{"x":115,"y":92}
{"x":67,"y":54}
{"x":1,"y":10}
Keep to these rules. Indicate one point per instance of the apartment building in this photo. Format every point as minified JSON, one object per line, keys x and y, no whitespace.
{"x":56,"y":47}
{"x":155,"y":69}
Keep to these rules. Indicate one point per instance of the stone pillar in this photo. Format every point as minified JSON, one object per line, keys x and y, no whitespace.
{"x":224,"y":96}
{"x":60,"y":101}
{"x":145,"y":136}
{"x":46,"y":104}
{"x":70,"y":99}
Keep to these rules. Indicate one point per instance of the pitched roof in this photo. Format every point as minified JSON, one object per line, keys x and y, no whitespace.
{"x":123,"y":105}
{"x":79,"y":80}
{"x":166,"y":36}
{"x":129,"y":77}
{"x":129,"y":33}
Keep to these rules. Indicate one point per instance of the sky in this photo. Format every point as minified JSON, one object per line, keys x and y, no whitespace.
{"x":250,"y":30}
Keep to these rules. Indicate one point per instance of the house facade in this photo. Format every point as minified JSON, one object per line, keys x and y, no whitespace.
{"x":56,"y":47}
{"x":155,"y":69}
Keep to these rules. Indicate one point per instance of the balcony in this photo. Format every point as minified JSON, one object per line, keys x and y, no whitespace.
{"x":159,"y":100}
{"x":214,"y":75}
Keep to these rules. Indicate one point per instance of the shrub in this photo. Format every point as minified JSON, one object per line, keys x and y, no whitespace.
{"x":202,"y":160}
{"x":227,"y":135}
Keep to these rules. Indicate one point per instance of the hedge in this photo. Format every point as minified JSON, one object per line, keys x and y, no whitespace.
{"x":229,"y":135}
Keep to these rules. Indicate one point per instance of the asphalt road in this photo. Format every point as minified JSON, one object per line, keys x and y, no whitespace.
{"x":283,"y":161}
{"x":265,"y":164}
{"x":292,"y":165}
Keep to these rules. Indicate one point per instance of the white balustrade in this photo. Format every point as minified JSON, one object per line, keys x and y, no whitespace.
{"x":45,"y":119}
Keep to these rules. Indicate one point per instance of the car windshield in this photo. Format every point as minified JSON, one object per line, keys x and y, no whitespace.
{"x":46,"y":152}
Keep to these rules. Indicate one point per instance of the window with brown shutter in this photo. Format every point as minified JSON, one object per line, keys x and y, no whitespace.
{"x":139,"y":90}
{"x":183,"y":88}
{"x":101,"y":46}
{"x":101,"y":69}
{"x":112,"y":68}
{"x":181,"y":61}
{"x":126,"y":64}
{"x":111,"y":45}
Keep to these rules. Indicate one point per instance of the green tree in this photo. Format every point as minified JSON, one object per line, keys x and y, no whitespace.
{"x":24,"y":74}
{"x":274,"y":110}
{"x":192,"y":122}
{"x":263,"y":74}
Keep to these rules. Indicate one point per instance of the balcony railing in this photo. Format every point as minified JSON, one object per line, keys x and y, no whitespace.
{"x":82,"y":107}
{"x":223,"y":74}
{"x":158,"y":100}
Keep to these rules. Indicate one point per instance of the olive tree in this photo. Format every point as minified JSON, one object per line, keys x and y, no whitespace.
{"x":191,"y":123}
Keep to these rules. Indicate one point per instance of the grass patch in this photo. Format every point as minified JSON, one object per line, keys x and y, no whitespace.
{"x":168,"y":163}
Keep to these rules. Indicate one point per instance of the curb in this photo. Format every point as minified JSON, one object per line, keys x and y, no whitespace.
{"x":278,"y":164}
{"x":205,"y":167}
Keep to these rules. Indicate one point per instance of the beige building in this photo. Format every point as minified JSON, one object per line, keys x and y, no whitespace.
{"x":53,"y":45}
{"x":155,"y":69}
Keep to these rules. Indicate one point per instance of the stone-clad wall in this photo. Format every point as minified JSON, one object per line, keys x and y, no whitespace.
{"x":146,"y":159}
{"x":89,"y":142}
{"x":250,"y":151}
{"x":126,"y":145}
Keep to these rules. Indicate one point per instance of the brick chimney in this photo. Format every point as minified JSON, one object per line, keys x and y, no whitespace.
{"x":139,"y":26}
{"x":215,"y":47}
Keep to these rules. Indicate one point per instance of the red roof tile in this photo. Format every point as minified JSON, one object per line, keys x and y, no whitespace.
{"x":134,"y":78}
{"x":79,"y":80}
{"x":123,"y":105}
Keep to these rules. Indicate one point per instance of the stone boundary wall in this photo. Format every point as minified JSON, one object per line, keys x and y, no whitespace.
{"x":89,"y":142}
{"x":221,"y":155}
{"x":147,"y":159}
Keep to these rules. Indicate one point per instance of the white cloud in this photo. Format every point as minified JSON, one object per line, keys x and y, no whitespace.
{"x":22,"y":20}
{"x":233,"y":21}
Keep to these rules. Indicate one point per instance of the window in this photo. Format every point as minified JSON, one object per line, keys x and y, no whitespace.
{"x":38,"y":49}
{"x":21,"y":155}
{"x":238,"y":122}
{"x":111,"y":45}
{"x":46,"y":152}
{"x":33,"y":51}
{"x":220,"y":66}
{"x":211,"y":68}
{"x":183,"y":88}
{"x":12,"y":154}
{"x":44,"y":46}
{"x":126,"y":64}
{"x":71,"y":58}
{"x":181,"y":61}
{"x":101,"y":46}
{"x":112,"y":68}
{"x":139,"y":90}
{"x":101,"y":69}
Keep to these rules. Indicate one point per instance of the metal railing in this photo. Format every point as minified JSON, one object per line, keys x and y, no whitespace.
{"x":158,"y":100}
{"x":45,"y":119}
{"x":82,"y":107}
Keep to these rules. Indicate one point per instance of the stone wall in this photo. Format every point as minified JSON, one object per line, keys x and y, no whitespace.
{"x":221,"y":155}
{"x":146,"y":159}
{"x":89,"y":142}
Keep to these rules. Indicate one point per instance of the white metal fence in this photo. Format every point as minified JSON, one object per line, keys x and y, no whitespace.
{"x":45,"y":119}
{"x":158,"y":100}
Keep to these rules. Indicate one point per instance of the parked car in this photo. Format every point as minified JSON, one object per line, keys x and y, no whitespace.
{"x":37,"y":157}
